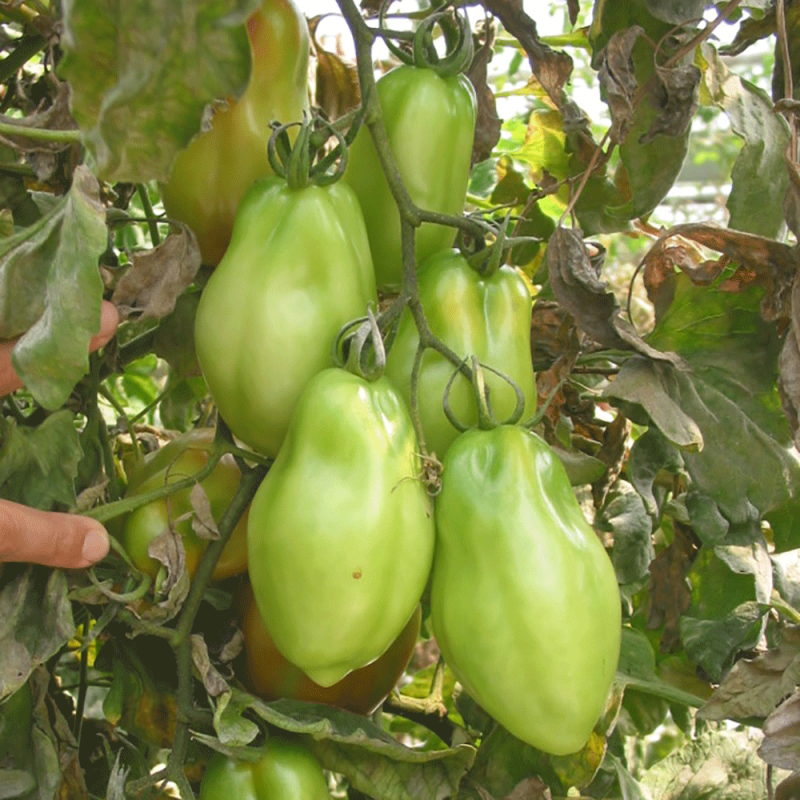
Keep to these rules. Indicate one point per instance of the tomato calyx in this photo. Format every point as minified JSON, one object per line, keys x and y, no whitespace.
{"x":297,"y":163}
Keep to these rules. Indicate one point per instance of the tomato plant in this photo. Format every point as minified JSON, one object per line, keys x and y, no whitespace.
{"x":513,"y":214}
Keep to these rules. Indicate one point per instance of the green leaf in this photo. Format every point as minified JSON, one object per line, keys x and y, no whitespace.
{"x":373,"y":761}
{"x":35,"y":623}
{"x":51,"y":290}
{"x":38,"y":465}
{"x":651,"y":454}
{"x":630,"y":788}
{"x":759,"y":178}
{"x":626,"y":517}
{"x":714,"y":643}
{"x":142,"y":72}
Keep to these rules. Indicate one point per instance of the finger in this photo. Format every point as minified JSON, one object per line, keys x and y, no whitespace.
{"x":109,"y":319}
{"x":51,"y":538}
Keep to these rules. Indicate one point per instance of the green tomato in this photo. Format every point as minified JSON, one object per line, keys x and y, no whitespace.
{"x":179,"y":459}
{"x":430,"y":122}
{"x":488,"y":317}
{"x":524,"y":599}
{"x":209,"y":178}
{"x":288,"y":771}
{"x":340,"y":537}
{"x":297,"y":269}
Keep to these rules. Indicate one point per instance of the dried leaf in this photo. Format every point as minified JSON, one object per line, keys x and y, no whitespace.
{"x":487,"y":123}
{"x":573,"y":9}
{"x":159,"y":277}
{"x":678,"y":99}
{"x":754,"y":687}
{"x":578,"y":289}
{"x":337,"y":88}
{"x":789,"y":382}
{"x":670,"y":596}
{"x":213,"y":681}
{"x":530,"y":789}
{"x":552,"y":69}
{"x":617,"y":76}
{"x":781,"y":745}
{"x":169,"y":550}
{"x":203,"y":522}
{"x":56,"y":117}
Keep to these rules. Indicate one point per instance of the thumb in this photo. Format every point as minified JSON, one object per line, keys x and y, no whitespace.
{"x":51,"y":538}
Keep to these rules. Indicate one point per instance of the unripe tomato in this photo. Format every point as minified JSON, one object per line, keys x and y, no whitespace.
{"x":340,"y":536}
{"x":181,"y":458}
{"x":524,"y":600}
{"x":209,"y":178}
{"x":288,"y":771}
{"x":271,"y":676}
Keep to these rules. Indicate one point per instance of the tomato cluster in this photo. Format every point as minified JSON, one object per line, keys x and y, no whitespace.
{"x":343,"y":534}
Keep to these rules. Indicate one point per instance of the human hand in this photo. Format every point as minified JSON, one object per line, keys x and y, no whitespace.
{"x":48,"y":537}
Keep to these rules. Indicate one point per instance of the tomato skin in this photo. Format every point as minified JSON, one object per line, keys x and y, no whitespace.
{"x":340,"y":536}
{"x":272,"y":677}
{"x":524,"y":599}
{"x":209,"y":177}
{"x":430,"y":122}
{"x":297,"y":269}
{"x":179,"y":459}
{"x":288,"y":771}
{"x":488,"y":317}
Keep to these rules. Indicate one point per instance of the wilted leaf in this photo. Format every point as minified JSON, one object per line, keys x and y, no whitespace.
{"x":552,"y":69}
{"x":578,"y":288}
{"x":128,"y":75}
{"x":213,"y":682}
{"x":754,"y":687}
{"x":374,"y":762}
{"x":38,"y":465}
{"x":718,"y":764}
{"x":789,"y":365}
{"x":159,"y":277}
{"x":759,"y":178}
{"x":670,"y":596}
{"x":781,"y":745}
{"x":677,"y":12}
{"x":625,"y":516}
{"x":203,"y":522}
{"x":51,"y":290}
{"x":487,"y":123}
{"x":168,"y":548}
{"x":714,"y":643}
{"x":650,"y":455}
{"x":35,"y":623}
{"x":337,"y":90}
{"x":530,"y":789}
{"x":677,"y":88}
{"x":617,"y":77}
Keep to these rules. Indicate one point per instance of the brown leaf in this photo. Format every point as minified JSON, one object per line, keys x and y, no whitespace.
{"x":487,"y":123}
{"x":618,"y":77}
{"x":158,"y":277}
{"x":781,"y":744}
{"x":577,"y":287}
{"x":337,"y":90}
{"x":754,"y":687}
{"x":789,"y":788}
{"x":677,"y":97}
{"x":203,"y":522}
{"x":612,"y":453}
{"x":213,"y":681}
{"x":530,"y":789}
{"x":573,"y":8}
{"x":789,"y":382}
{"x":552,"y":69}
{"x":670,"y":596}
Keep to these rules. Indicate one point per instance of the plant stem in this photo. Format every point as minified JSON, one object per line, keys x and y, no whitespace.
{"x":71,"y":136}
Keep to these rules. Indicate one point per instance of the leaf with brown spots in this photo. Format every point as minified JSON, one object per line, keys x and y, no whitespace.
{"x":487,"y":123}
{"x":670,"y":597}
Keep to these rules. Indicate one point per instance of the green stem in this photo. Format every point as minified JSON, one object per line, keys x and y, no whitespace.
{"x":71,"y":136}
{"x":27,"y":47}
{"x":147,"y":207}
